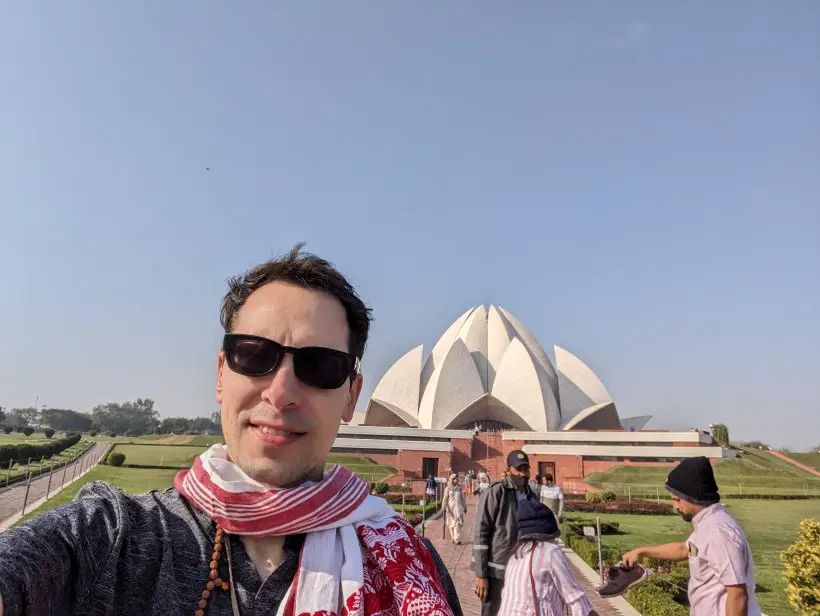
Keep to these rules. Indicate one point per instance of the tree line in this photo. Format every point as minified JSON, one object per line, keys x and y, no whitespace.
{"x":132,"y":418}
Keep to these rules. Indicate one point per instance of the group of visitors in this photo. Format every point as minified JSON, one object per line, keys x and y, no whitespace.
{"x":517,"y":529}
{"x":258,"y":527}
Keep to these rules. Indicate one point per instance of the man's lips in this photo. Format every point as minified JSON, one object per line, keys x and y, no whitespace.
{"x":275,"y":435}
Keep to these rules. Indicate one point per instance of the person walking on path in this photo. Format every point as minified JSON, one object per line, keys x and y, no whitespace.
{"x":496,"y":530}
{"x":721,"y":568}
{"x":256,"y":526}
{"x":540,"y":580}
{"x":553,"y":497}
{"x":483,"y":482}
{"x":469,"y":480}
{"x":455,"y":506}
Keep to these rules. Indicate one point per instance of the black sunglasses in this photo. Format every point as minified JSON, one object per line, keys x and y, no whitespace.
{"x":315,"y":366}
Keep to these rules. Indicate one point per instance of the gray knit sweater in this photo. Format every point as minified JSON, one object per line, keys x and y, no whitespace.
{"x":110,"y":553}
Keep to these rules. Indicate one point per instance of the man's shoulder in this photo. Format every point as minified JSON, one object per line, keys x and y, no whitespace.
{"x":140,"y":507}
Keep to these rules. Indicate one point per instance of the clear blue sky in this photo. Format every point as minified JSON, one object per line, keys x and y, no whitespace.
{"x":638,"y":182}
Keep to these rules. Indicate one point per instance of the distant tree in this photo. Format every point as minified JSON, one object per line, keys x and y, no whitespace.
{"x":755,"y":445}
{"x":137,"y":417}
{"x":28,"y":430}
{"x":2,"y":414}
{"x":188,"y":425}
{"x":48,"y":432}
{"x":66,"y":420}
{"x":23,"y":417}
{"x":721,"y":434}
{"x":7,"y":429}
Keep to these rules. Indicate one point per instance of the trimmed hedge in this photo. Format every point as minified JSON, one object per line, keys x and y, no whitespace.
{"x":637,"y":507}
{"x":651,"y":600}
{"x":607,"y":528}
{"x":587,"y":549}
{"x":35,"y":452}
{"x":770,"y":496}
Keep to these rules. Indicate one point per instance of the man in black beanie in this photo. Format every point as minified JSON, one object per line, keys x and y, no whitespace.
{"x":721,"y":568}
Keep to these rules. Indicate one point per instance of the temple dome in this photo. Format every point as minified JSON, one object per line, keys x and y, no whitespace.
{"x":487,"y":366}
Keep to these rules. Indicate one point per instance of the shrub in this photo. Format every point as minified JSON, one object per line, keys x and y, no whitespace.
{"x":594,"y":497}
{"x":608,"y":496}
{"x":802,"y":561}
{"x":651,"y":600}
{"x":48,"y":432}
{"x":112,"y":434}
{"x":587,"y":549}
{"x":116,"y":458}
{"x":396,"y":499}
{"x":8,"y":429}
{"x":93,"y":433}
{"x":381,"y":488}
{"x":607,"y":528}
{"x":28,"y":430}
{"x":637,"y":507}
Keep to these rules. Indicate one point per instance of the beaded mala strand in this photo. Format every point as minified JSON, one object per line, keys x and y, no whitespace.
{"x":214,"y":581}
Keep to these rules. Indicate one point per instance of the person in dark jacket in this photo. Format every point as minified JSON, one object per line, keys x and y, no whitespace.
{"x":496,"y":531}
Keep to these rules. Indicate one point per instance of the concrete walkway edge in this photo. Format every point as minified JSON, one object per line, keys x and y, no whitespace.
{"x":12,"y":520}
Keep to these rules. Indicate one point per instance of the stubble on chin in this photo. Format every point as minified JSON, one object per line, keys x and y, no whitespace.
{"x":283,"y":475}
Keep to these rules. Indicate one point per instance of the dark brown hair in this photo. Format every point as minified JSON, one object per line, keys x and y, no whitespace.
{"x":310,"y":272}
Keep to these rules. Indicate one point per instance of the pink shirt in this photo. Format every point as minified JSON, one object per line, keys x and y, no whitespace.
{"x":719,"y":556}
{"x":555,"y":585}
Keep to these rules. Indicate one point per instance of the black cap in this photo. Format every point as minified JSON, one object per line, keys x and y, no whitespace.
{"x":517,"y":458}
{"x":535,"y":519}
{"x":693,"y":480}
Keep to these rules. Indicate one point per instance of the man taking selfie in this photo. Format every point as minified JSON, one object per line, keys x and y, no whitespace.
{"x":256,"y":527}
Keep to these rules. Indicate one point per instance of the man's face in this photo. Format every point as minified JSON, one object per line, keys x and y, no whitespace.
{"x":296,"y":317}
{"x":686,"y":509}
{"x":520,"y":471}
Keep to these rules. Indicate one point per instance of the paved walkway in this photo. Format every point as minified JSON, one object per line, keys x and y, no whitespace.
{"x":11,"y":499}
{"x":457,"y":559}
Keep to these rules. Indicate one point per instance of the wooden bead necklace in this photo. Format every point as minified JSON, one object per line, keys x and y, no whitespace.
{"x":214,"y":581}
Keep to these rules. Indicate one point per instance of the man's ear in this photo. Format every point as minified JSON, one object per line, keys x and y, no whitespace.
{"x":352,"y":399}
{"x":220,"y":365}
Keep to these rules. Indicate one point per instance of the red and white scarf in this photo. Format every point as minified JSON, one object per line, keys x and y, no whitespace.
{"x":356,"y":548}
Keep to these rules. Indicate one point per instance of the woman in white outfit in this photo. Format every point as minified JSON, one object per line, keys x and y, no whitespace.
{"x":455,"y":506}
{"x":483,"y":482}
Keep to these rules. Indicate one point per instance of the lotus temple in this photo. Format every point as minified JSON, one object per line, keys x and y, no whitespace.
{"x":487,"y":388}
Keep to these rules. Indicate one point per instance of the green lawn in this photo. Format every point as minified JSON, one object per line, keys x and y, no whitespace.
{"x":751,"y":474}
{"x":36,"y":438}
{"x":366,"y":468}
{"x":770,"y":525}
{"x":203,"y":440}
{"x":170,"y":456}
{"x":809,"y":459}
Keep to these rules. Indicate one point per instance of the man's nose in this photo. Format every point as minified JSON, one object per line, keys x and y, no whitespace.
{"x":284,"y":387}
